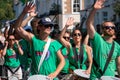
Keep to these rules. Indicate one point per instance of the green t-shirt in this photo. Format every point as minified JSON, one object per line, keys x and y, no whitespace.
{"x":49,"y":64}
{"x":11,"y":58}
{"x":68,"y":57}
{"x":77,"y":64}
{"x":101,"y":50}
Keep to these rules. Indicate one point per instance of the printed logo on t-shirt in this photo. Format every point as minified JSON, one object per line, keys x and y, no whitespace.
{"x":38,"y":53}
{"x":12,"y":56}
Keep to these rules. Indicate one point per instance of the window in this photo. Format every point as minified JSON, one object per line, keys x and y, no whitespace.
{"x":76,"y":5}
{"x":105,"y":16}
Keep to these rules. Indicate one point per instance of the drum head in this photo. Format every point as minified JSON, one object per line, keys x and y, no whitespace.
{"x":80,"y":73}
{"x":13,"y":78}
{"x":109,"y":78}
{"x":38,"y":77}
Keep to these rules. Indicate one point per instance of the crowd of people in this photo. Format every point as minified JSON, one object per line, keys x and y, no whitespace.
{"x":26,"y":53}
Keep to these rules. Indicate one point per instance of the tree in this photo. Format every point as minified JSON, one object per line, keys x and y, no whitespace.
{"x":6,"y":10}
{"x":116,"y":7}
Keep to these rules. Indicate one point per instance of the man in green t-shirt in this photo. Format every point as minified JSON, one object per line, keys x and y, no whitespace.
{"x":49,"y":66}
{"x":102,"y":45}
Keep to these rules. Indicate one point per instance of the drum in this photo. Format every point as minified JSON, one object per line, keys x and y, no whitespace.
{"x":109,"y":78}
{"x":38,"y":77}
{"x":81,"y":75}
{"x":12,"y":78}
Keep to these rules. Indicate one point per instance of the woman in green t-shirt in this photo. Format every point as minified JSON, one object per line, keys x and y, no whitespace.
{"x":12,"y":63}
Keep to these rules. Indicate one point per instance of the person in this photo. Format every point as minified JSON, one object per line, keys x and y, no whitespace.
{"x":49,"y":66}
{"x":12,"y":63}
{"x":67,"y":51}
{"x":82,"y":53}
{"x":102,"y":45}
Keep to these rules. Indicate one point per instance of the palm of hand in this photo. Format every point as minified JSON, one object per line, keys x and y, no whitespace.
{"x":99,"y":4}
{"x":70,"y":21}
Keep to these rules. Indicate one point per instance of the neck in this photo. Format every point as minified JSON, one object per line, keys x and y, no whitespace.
{"x":77,"y":44}
{"x":108,"y":39}
{"x":43,"y":37}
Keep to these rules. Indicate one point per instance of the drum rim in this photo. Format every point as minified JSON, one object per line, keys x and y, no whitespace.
{"x":43,"y":76}
{"x":87,"y":75}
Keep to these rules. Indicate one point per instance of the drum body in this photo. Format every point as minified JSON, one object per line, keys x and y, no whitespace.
{"x":109,"y":78}
{"x":12,"y":78}
{"x":38,"y":77}
{"x":80,"y":75}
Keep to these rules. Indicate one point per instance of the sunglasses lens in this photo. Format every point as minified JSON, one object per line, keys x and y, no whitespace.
{"x":66,"y":38}
{"x":77,"y":34}
{"x":109,"y":27}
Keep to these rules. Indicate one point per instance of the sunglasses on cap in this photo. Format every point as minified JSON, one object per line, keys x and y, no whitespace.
{"x":109,"y":27}
{"x":66,"y":38}
{"x":77,"y":34}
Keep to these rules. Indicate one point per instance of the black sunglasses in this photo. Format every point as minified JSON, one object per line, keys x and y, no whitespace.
{"x":66,"y":38}
{"x":11,"y":39}
{"x":47,"y":26}
{"x":109,"y":27}
{"x":77,"y":34}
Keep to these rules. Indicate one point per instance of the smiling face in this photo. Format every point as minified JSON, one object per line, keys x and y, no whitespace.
{"x":76,"y":35}
{"x":67,"y":36}
{"x":46,"y":29}
{"x":108,"y":29}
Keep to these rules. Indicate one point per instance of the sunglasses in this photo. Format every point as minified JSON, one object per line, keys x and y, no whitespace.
{"x":47,"y":26}
{"x":66,"y":38}
{"x":77,"y":34}
{"x":109,"y":27}
{"x":11,"y":39}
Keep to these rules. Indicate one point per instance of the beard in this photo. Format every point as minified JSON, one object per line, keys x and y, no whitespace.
{"x":110,"y":34}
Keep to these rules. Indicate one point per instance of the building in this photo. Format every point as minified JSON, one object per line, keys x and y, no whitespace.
{"x":79,"y":9}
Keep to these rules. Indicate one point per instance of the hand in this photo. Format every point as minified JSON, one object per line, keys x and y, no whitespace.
{"x":87,"y":71}
{"x":16,"y":41}
{"x":99,"y":4}
{"x":32,"y":14}
{"x":6,"y":43}
{"x":30,"y":7}
{"x":52,"y":75}
{"x":69,"y":21}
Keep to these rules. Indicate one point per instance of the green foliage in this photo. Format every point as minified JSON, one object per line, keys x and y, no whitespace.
{"x":117,"y":7}
{"x":6,"y":10}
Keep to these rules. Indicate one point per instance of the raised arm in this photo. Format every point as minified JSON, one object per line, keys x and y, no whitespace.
{"x":18,"y":24}
{"x":90,"y":20}
{"x":62,"y":40}
{"x":19,"y":47}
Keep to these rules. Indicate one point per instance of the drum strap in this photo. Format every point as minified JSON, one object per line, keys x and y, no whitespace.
{"x":107,"y":61}
{"x":44,"y":53}
{"x":79,"y":57}
{"x":13,"y":72}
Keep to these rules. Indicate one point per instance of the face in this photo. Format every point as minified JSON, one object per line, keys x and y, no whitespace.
{"x":45,"y":29}
{"x":108,"y":29}
{"x":11,"y":40}
{"x":66,"y":36}
{"x":77,"y":36}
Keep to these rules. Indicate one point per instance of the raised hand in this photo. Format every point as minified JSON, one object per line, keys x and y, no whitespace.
{"x":69,"y":21}
{"x":29,"y":7}
{"x":99,"y":4}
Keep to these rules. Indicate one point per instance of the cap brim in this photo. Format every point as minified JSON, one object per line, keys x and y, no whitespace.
{"x":49,"y":23}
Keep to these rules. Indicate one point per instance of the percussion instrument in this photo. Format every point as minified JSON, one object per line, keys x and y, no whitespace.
{"x":81,"y":75}
{"x":12,"y":78}
{"x":109,"y":78}
{"x":39,"y":77}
